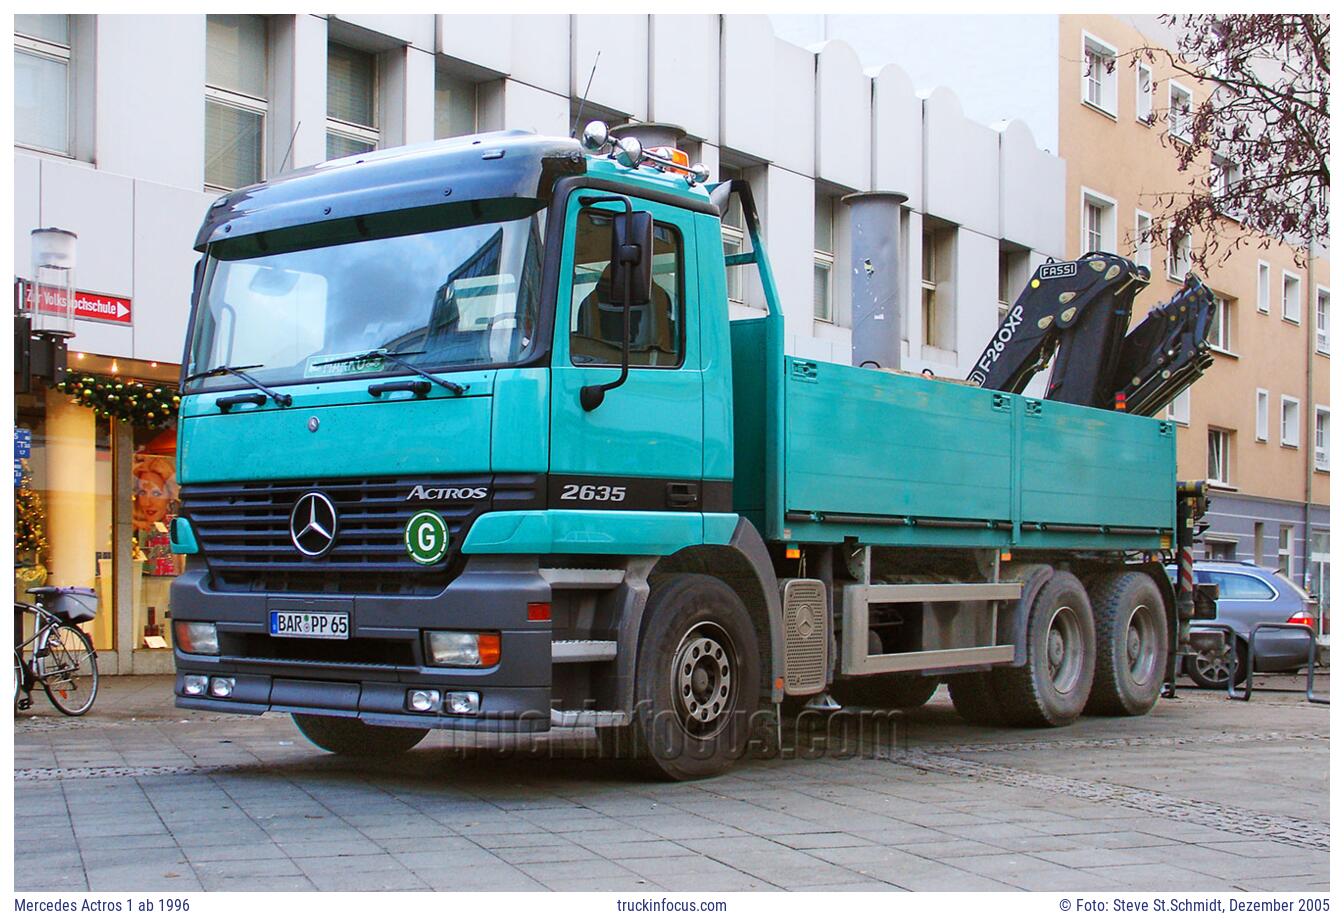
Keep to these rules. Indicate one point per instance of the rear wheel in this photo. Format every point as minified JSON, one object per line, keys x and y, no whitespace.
{"x":355,"y":738}
{"x":698,"y":680}
{"x":1132,"y":636}
{"x":886,"y":691}
{"x":1210,"y":672}
{"x":70,"y":670}
{"x":1052,"y":688}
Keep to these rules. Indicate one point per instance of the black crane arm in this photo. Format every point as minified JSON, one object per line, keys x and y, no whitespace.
{"x":1080,"y":309}
{"x":1168,"y":351}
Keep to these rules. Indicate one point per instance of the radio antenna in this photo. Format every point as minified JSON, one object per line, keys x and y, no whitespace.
{"x":290,"y":148}
{"x":574,"y":132}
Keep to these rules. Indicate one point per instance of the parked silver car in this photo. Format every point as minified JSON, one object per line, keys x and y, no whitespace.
{"x":1250,"y":594}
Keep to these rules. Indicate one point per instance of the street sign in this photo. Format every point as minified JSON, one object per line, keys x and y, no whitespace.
{"x":100,"y":308}
{"x":23,"y":443}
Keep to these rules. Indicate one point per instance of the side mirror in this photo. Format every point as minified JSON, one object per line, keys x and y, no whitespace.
{"x":632,"y":257}
{"x":631,"y":285}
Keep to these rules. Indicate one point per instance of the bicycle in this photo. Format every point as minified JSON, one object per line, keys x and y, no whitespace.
{"x":59,"y":655}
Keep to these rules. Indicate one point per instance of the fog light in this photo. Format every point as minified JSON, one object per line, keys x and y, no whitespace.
{"x":463,"y":703}
{"x":423,"y":700}
{"x":194,"y":684}
{"x":221,"y":686}
{"x":462,"y":649}
{"x":196,"y":638}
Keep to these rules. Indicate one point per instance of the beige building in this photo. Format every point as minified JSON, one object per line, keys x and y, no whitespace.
{"x":1257,"y":425}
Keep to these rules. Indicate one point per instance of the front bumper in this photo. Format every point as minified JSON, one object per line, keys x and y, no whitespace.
{"x":368,"y":675}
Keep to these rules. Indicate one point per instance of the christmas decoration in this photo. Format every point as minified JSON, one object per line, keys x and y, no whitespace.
{"x":30,"y":532}
{"x":149,"y":405}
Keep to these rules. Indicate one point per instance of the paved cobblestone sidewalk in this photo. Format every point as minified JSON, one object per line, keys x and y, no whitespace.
{"x":1204,"y":794}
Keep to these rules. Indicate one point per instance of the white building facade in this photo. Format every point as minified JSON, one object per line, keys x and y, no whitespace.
{"x":128,"y":147}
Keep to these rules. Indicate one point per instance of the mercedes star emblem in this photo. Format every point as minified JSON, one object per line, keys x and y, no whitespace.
{"x":312,"y":524}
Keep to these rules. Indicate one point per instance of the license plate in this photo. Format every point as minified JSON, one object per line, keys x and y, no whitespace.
{"x":310,"y":624}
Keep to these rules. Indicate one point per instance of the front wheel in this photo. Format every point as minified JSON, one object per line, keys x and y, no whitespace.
{"x":698,"y":682}
{"x":355,"y":738}
{"x":69,"y":670}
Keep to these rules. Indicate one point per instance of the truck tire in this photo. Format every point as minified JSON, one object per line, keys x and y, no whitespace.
{"x":698,"y":680}
{"x":886,"y":691}
{"x":1131,"y":624}
{"x":1052,"y":688}
{"x":355,"y":738}
{"x":975,"y":699}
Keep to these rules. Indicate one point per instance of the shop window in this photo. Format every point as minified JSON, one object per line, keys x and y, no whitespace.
{"x":151,"y":486}
{"x":597,"y":321}
{"x":65,"y":493}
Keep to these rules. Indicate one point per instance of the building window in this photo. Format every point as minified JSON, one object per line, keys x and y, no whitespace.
{"x":1220,"y":324}
{"x":936,"y":284}
{"x":1290,"y":422}
{"x":1178,"y":256}
{"x":1259,"y":543}
{"x":1286,"y":550}
{"x":454,"y":106}
{"x":1099,"y":74}
{"x":1323,"y":320}
{"x":235,"y":101}
{"x":1223,"y":178}
{"x":352,"y":101}
{"x":1098,"y":222}
{"x":1220,"y":456}
{"x":823,"y":259}
{"x":1262,"y":287}
{"x":1292,"y":297}
{"x":42,"y":103}
{"x":1014,"y":269}
{"x":1143,"y":239}
{"x":1322,"y":439}
{"x":733,"y":227}
{"x":1320,"y":570}
{"x":1217,"y":548}
{"x":1143,"y":94}
{"x":1178,"y":410}
{"x":1262,"y":415}
{"x":1179,"y":111}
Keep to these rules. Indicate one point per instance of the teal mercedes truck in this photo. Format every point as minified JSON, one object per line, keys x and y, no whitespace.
{"x":469,"y":441}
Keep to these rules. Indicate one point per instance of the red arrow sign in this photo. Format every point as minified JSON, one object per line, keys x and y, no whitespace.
{"x":103,"y":308}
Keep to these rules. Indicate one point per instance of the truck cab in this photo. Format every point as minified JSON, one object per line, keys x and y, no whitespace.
{"x":468,"y":442}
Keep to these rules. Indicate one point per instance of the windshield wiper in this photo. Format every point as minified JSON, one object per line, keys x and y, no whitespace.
{"x":457,"y":389}
{"x":283,"y":400}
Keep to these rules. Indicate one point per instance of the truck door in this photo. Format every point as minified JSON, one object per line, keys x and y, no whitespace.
{"x":643,"y":447}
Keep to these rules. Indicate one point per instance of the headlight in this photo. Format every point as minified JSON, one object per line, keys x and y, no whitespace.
{"x":196,"y":638}
{"x":461,"y":649}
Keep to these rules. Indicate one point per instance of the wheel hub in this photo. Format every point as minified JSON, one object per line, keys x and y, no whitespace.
{"x":1064,"y":649}
{"x":703,"y":678}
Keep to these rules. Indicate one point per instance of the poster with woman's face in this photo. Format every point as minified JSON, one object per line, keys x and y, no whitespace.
{"x":154,"y":494}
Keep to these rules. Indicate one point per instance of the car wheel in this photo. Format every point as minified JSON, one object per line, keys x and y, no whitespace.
{"x":1210,"y":672}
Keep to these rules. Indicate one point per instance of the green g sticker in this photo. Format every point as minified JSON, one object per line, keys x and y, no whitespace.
{"x":426,"y":537}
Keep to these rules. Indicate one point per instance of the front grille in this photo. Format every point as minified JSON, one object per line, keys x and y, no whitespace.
{"x":243,"y":532}
{"x":385,"y":652}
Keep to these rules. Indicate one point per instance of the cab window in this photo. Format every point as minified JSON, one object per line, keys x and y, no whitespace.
{"x":656,"y":328}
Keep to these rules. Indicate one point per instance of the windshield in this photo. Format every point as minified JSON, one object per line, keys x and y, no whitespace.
{"x":456,"y":298}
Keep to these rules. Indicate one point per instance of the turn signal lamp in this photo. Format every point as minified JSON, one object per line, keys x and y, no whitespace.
{"x":677,"y":160}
